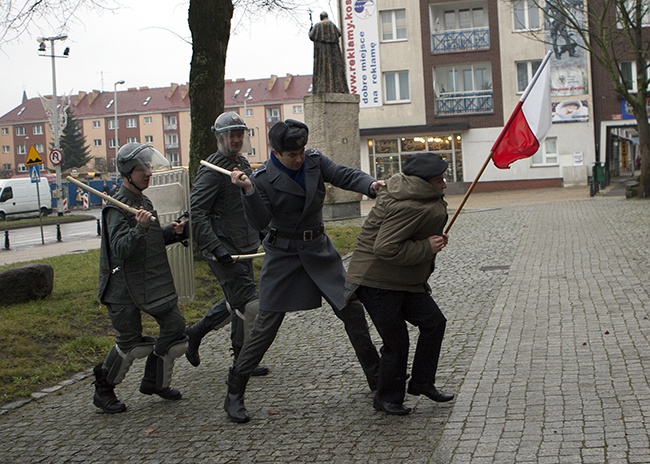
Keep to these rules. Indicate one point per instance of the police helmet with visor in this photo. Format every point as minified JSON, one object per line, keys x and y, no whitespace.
{"x":133,"y":155}
{"x":232,"y":133}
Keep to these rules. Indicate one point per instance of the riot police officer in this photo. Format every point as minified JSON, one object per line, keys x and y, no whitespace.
{"x":220,"y":230}
{"x":135,"y":277}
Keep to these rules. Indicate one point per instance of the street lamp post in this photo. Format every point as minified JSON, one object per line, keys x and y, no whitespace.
{"x":117,"y":143}
{"x":55,"y":110}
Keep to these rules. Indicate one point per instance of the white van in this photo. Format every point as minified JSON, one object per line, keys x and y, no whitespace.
{"x":18,"y":198}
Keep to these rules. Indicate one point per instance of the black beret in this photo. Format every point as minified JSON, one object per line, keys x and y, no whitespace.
{"x":289,"y":135}
{"x":425,"y":166}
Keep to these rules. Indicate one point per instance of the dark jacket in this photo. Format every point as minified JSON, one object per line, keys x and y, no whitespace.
{"x":133,"y":261}
{"x":217,"y":211}
{"x":296,"y":273}
{"x":393,"y":251}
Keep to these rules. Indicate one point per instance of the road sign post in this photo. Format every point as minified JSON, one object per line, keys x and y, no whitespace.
{"x":34,"y":160}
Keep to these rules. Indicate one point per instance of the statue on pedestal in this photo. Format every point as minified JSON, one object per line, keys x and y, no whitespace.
{"x":329,"y":66}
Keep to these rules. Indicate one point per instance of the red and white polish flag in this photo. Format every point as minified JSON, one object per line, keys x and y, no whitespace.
{"x":529,"y":122}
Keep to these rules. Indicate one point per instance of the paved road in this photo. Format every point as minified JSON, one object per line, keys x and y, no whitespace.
{"x":547,"y":348}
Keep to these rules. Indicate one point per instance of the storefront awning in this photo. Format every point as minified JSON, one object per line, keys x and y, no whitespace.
{"x":430,"y":129}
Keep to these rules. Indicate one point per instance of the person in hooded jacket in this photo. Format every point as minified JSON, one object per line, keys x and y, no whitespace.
{"x":394,"y":256}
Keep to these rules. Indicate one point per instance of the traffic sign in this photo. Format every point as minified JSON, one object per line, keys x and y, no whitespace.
{"x":35,"y":174}
{"x":33,"y":157}
{"x":56,"y":156}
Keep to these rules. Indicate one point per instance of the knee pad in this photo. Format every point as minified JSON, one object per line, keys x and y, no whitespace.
{"x":176,"y":350}
{"x":118,"y":362}
{"x":252,"y":310}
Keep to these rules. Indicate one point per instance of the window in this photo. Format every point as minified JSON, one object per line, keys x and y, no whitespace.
{"x":525,"y":15}
{"x":525,"y":72}
{"x":111,"y":143}
{"x":463,"y":78}
{"x":297,"y":109}
{"x":547,"y":154}
{"x":171,"y":141}
{"x":131,"y":123}
{"x":97,"y":124}
{"x":629,"y":75}
{"x":629,"y":7}
{"x":97,"y":142}
{"x":397,"y":86}
{"x":463,"y":18}
{"x":7,"y":166}
{"x":170,"y":122}
{"x":148,"y":119}
{"x":6,"y":149}
{"x":251,"y":132}
{"x":21,"y":149}
{"x":20,"y":130}
{"x":173,"y":159}
{"x":248,"y":113}
{"x":112,"y":124}
{"x":22,"y":167}
{"x":40,"y":148}
{"x":131,"y":140}
{"x":272,"y":114}
{"x":5,"y":131}
{"x":37,"y":130}
{"x":148,"y":139}
{"x":393,"y":25}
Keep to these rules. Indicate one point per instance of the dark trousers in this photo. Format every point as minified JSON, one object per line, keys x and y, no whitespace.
{"x":238,"y":284}
{"x":389,"y":311}
{"x":267,"y":325}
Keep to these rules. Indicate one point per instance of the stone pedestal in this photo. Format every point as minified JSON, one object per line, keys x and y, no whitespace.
{"x":333,"y":120}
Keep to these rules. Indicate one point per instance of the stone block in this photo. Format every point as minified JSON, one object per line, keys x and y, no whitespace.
{"x":25,"y":283}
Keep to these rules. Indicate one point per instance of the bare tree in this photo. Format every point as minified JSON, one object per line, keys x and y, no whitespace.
{"x":16,"y":16}
{"x":612,"y":32}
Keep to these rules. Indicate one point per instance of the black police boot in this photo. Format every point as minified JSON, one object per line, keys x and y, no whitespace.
{"x":237,"y":338}
{"x":104,"y":397}
{"x":234,"y":403}
{"x":152,"y":380}
{"x":429,"y":390}
{"x":196,"y":332}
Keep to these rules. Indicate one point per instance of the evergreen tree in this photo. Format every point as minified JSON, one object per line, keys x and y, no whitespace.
{"x":73,"y":143}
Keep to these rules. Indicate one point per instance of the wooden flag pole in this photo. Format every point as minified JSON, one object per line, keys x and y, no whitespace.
{"x":468,"y":193}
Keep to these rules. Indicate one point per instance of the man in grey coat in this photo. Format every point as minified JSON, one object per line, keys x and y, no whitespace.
{"x":301,"y":265}
{"x":220,"y":230}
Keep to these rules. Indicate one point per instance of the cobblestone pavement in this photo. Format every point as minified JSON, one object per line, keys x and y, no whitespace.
{"x":548,"y":305}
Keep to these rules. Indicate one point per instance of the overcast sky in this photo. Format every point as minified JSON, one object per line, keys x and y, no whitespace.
{"x":143,"y":45}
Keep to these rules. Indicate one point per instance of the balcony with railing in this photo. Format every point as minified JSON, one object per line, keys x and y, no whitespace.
{"x":171,"y":145}
{"x":463,"y":103}
{"x":463,"y":40}
{"x":169,"y":126}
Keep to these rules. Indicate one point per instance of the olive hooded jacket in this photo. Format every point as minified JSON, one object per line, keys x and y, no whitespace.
{"x":393,"y":250}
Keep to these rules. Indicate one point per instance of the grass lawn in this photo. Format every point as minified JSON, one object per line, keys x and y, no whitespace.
{"x":49,"y":340}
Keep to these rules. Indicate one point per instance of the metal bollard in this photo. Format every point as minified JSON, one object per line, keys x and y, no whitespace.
{"x":6,"y":239}
{"x":99,"y":228}
{"x":58,"y":233}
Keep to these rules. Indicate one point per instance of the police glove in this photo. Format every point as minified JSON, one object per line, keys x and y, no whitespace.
{"x":222,"y":256}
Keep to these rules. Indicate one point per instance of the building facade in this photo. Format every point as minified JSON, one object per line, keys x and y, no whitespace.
{"x":448,"y":74}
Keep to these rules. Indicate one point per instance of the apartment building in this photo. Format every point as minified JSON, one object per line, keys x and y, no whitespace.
{"x":158,"y":116}
{"x":443,"y":76}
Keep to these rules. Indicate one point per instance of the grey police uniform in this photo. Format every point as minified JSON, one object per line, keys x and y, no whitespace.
{"x":218,"y":222}
{"x":135,"y":276}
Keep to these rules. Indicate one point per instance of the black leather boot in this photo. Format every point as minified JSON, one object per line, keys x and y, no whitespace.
{"x":152,"y":380}
{"x":196,"y":332}
{"x":104,"y":397}
{"x":234,"y":403}
{"x":429,"y":390}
